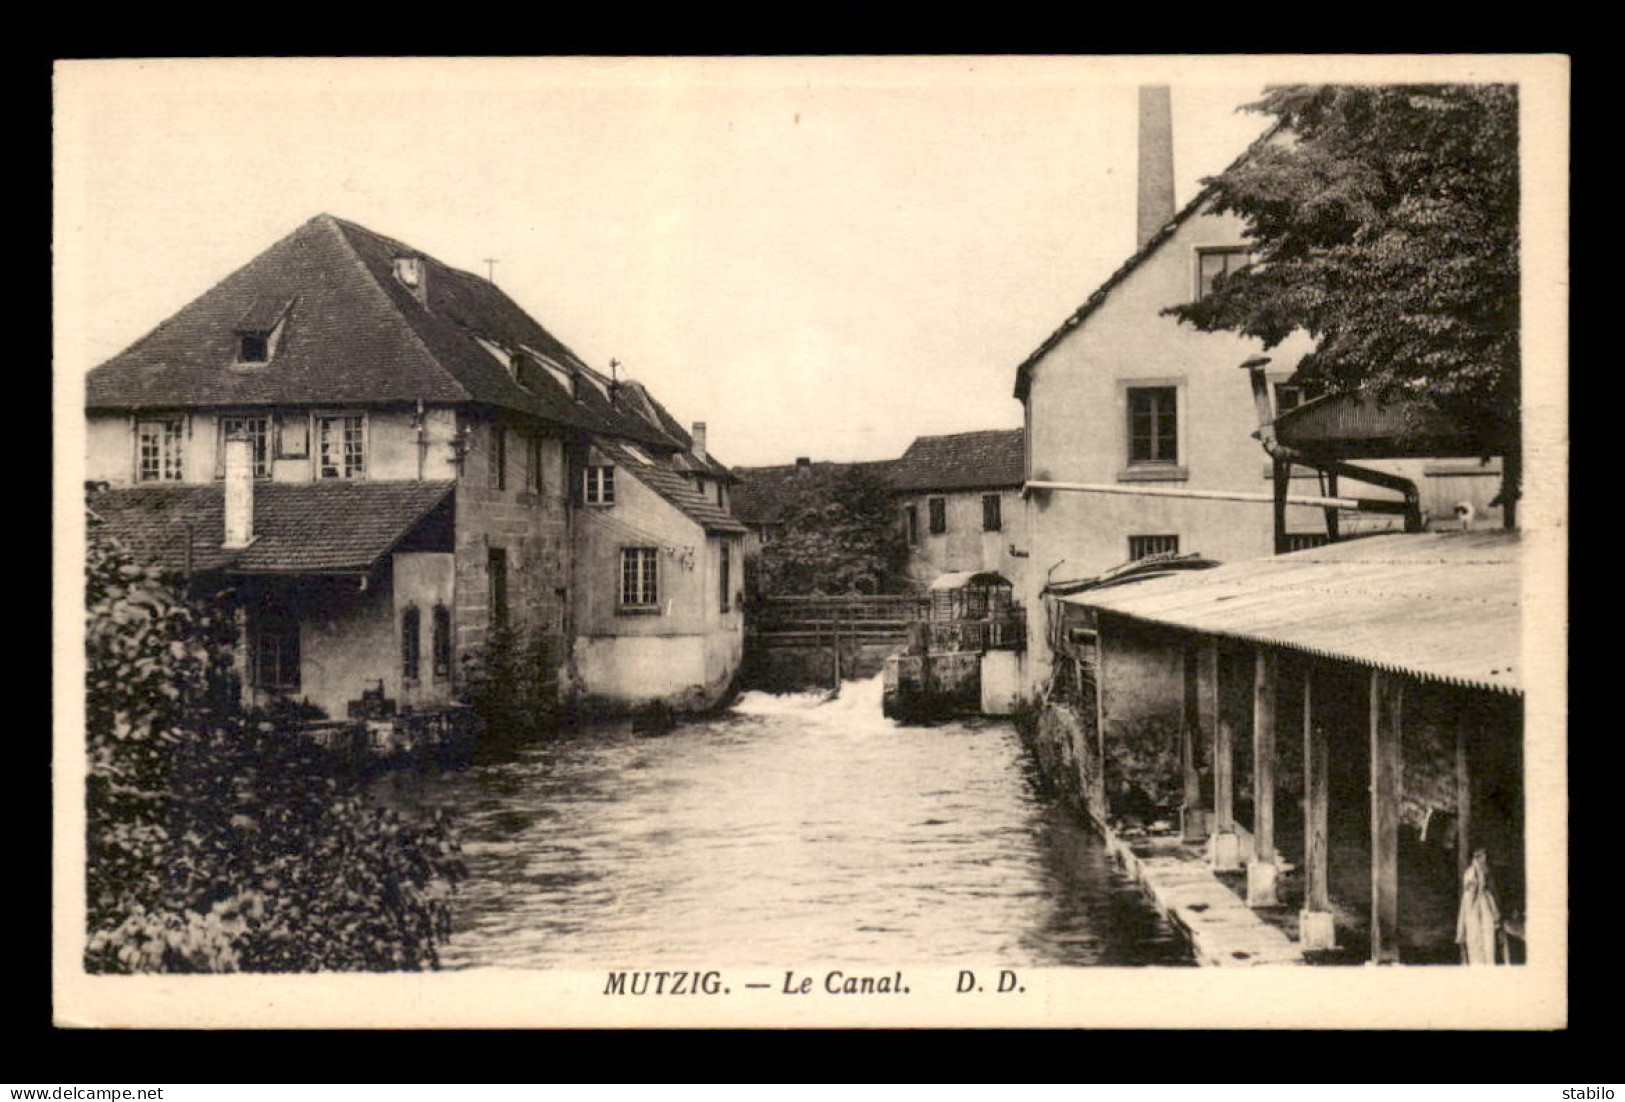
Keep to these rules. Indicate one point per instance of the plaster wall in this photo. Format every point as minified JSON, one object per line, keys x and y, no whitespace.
{"x":965,"y":546}
{"x":687,"y":644}
{"x":424,"y":579}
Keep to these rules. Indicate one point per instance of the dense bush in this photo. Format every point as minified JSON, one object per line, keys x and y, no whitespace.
{"x":1143,"y":768}
{"x":513,"y":684}
{"x":219,"y":844}
{"x":838,"y":534}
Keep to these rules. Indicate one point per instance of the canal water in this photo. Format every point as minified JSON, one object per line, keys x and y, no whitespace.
{"x":788,"y":830}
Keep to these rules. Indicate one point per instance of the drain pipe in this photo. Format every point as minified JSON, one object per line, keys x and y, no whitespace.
{"x":1364,"y":504}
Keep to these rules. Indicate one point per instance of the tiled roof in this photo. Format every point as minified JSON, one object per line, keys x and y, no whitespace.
{"x":962,"y":461}
{"x":1440,"y":606}
{"x":1155,"y":242}
{"x":300,"y":527}
{"x":353,"y":334}
{"x":759,"y":492}
{"x":673,"y":487}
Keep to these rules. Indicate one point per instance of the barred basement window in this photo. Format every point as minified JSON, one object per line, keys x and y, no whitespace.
{"x":991,"y":520}
{"x":341,"y":446}
{"x":939,"y":515}
{"x":1303,"y":541}
{"x":441,"y":642}
{"x":1140,"y":547}
{"x":410,"y":644}
{"x":640,"y":569}
{"x":158,"y":450}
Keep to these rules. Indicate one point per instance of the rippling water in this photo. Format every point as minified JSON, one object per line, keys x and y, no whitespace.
{"x":788,"y":830}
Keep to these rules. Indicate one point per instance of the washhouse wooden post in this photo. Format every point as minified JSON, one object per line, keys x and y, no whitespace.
{"x":1464,"y":797}
{"x":1224,"y":847}
{"x":1316,"y":929}
{"x":1193,"y":821}
{"x":1101,"y":798}
{"x":1261,"y":870}
{"x":1387,"y":701}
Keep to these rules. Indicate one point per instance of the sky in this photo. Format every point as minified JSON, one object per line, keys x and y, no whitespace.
{"x":817,"y":257}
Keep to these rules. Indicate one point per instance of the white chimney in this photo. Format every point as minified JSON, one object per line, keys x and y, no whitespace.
{"x":1156,"y":179}
{"x":239,"y":491}
{"x":699,"y":440}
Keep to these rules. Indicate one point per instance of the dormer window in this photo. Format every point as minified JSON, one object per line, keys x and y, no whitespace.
{"x":260,"y":329}
{"x":409,"y":270}
{"x":253,"y":348}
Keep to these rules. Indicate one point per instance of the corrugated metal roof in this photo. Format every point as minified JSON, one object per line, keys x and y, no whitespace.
{"x":1441,"y":606}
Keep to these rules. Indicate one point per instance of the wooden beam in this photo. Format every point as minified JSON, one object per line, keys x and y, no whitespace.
{"x":1281,"y":474}
{"x":1387,"y":700}
{"x":1316,"y":929}
{"x":1102,"y":801}
{"x":1225,"y":846}
{"x":1261,"y":870}
{"x":1192,"y":820}
{"x":1332,"y":515}
{"x":1464,"y":796}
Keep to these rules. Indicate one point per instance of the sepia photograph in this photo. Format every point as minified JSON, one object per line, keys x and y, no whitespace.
{"x":802,"y":541}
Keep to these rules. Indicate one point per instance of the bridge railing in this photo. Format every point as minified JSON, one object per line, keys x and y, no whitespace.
{"x":810,"y":619}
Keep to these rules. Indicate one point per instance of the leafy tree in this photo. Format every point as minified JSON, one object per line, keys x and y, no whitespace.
{"x":839,"y":534}
{"x":215,"y":841}
{"x":1385,"y":226}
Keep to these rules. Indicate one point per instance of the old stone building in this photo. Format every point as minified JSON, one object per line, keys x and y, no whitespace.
{"x":412,"y":454}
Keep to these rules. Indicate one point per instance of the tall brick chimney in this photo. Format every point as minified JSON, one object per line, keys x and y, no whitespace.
{"x":239,"y":492}
{"x":1156,"y":178}
{"x":699,"y":440}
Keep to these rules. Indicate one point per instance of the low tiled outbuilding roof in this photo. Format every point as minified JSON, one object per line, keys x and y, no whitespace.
{"x":1438,"y":606}
{"x":328,"y":527}
{"x":674,"y":488}
{"x":991,"y":459}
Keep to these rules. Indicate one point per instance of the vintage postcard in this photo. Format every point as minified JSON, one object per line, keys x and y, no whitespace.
{"x":864,"y":541}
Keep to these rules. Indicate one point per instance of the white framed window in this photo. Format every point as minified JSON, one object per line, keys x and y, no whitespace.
{"x":158,"y":449}
{"x":938,"y":519}
{"x":598,"y":487}
{"x":341,"y":445}
{"x":276,"y":651}
{"x":257,"y":426}
{"x":1153,"y":424}
{"x":640,"y":577}
{"x":293,"y":435}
